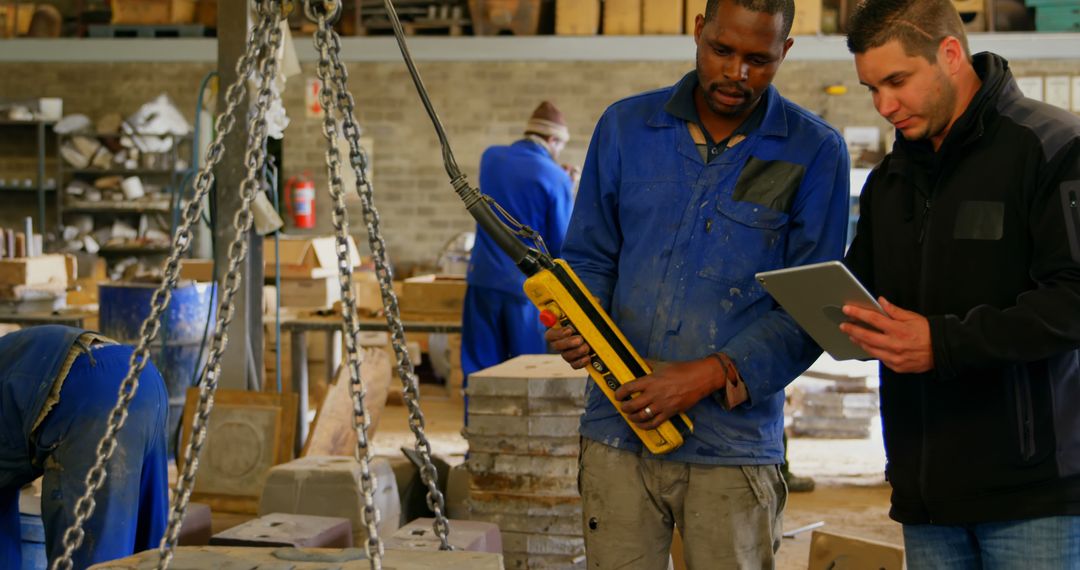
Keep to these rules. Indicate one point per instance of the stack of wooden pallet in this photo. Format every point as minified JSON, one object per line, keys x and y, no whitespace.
{"x":417,"y":16}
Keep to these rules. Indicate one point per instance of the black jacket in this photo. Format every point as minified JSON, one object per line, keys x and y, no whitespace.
{"x":982,"y":238}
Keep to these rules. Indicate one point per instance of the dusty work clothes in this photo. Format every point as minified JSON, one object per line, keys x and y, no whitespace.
{"x":499,"y":322}
{"x":669,"y":244}
{"x":722,"y":511}
{"x":132,"y":506}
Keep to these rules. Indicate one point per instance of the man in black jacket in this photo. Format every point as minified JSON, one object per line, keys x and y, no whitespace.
{"x":971,"y":225}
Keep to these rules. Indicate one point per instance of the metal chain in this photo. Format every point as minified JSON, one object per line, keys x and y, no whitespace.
{"x":95,"y":478}
{"x":254,"y":160}
{"x":405,"y":369}
{"x":361,"y":421}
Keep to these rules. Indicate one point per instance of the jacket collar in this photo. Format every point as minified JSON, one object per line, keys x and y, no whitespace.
{"x":773,"y":124}
{"x":533,"y":146}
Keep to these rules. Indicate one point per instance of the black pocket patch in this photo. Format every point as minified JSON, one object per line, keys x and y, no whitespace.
{"x":980,"y":220}
{"x":770,"y":183}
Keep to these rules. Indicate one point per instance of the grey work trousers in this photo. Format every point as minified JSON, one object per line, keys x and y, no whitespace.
{"x":729,"y":516}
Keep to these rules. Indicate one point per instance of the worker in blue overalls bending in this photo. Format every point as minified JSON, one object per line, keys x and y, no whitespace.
{"x":57,"y":387}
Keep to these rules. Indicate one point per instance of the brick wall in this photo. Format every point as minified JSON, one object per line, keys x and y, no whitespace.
{"x":480,"y":104}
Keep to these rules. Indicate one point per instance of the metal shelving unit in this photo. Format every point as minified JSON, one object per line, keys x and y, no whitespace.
{"x":167,"y":177}
{"x":127,"y":207}
{"x":134,"y":249}
{"x":40,"y":186}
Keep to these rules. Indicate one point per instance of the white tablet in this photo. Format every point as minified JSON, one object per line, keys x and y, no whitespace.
{"x":814,"y":295}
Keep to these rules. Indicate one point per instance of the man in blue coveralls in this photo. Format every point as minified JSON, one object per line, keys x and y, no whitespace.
{"x":57,"y":387}
{"x":499,"y":321}
{"x":686,"y":193}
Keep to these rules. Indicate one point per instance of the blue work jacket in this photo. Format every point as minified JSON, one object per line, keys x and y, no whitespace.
{"x":536,"y":191}
{"x":30,"y":361}
{"x":669,"y":245}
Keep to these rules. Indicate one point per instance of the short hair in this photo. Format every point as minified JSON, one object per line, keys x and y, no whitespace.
{"x":919,"y":25}
{"x":771,"y":7}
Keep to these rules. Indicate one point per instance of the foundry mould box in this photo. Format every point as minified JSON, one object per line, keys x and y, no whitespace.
{"x":330,"y":487}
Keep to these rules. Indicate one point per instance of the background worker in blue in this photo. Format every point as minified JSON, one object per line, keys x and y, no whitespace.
{"x":525,"y":178}
{"x":686,"y":193}
{"x":57,"y":387}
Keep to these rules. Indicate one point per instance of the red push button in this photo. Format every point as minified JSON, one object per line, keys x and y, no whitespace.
{"x":548,"y":319}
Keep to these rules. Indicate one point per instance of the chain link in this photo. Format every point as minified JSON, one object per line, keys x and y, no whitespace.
{"x":361,"y":421}
{"x":254,"y":159}
{"x":95,"y":478}
{"x":405,"y":369}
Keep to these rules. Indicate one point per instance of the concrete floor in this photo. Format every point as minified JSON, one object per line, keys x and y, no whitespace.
{"x":851,"y":495}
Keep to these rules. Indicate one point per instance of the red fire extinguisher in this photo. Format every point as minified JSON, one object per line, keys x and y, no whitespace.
{"x":300,"y":200}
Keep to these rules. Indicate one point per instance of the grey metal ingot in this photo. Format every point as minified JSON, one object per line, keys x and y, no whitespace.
{"x":544,"y":376}
{"x":281,"y":529}
{"x":330,"y":487}
{"x":473,"y":536}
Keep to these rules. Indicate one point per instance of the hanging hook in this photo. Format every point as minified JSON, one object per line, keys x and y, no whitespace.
{"x":331,"y":9}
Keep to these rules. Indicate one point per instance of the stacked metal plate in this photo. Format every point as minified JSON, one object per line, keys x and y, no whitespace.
{"x":523,"y":459}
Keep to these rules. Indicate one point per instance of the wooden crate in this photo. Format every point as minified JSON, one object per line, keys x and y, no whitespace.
{"x":305,"y":257}
{"x":975,"y":21}
{"x":970,"y":5}
{"x":828,"y":550}
{"x":693,"y":9}
{"x":41,"y":270}
{"x":153,"y":12}
{"x":577,"y":17}
{"x":435,"y":295}
{"x":661,"y":17}
{"x":807,"y":18}
{"x":622,"y":17}
{"x":207,"y":14}
{"x":249,"y":432}
{"x":15,"y":18}
{"x":320,"y":292}
{"x":520,"y":17}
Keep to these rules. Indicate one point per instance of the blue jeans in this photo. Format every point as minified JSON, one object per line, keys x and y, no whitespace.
{"x":133,"y":505}
{"x":1050,"y":543}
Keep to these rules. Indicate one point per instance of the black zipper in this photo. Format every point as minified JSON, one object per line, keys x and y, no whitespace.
{"x":925,"y":220}
{"x":1073,"y":210}
{"x":923,"y":293}
{"x":1025,"y":416}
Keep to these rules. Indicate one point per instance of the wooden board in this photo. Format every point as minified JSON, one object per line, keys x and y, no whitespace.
{"x":693,"y":9}
{"x":521,"y":17}
{"x":151,"y":12}
{"x":577,"y":17}
{"x":807,"y":18}
{"x":332,"y":432}
{"x":249,"y":433}
{"x":319,"y":293}
{"x":622,"y":17}
{"x":659,"y":17}
{"x":433,"y":294}
{"x":830,"y":551}
{"x":970,"y":5}
{"x":305,"y":257}
{"x":40,"y":270}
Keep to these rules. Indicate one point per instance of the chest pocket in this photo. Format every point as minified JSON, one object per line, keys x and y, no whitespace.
{"x":740,"y":239}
